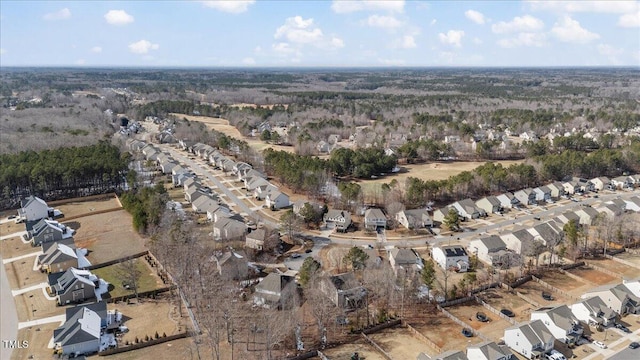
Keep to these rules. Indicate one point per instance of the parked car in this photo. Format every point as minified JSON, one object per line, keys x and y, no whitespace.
{"x":600,"y":344}
{"x":467,"y":332}
{"x":507,"y":312}
{"x":547,"y":296}
{"x":11,"y":217}
{"x":634,"y":345}
{"x":555,"y":355}
{"x":623,"y":328}
{"x":482,"y":317}
{"x":295,"y":255}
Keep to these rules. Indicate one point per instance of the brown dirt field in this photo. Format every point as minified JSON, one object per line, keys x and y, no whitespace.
{"x":20,"y":273}
{"x":616,"y":267}
{"x":81,"y":208}
{"x":594,"y":276}
{"x":344,"y":352}
{"x":14,"y":247}
{"x":38,"y":338}
{"x":35,"y":300}
{"x":176,"y":349}
{"x":140,"y":323}
{"x":11,"y":227}
{"x":494,"y":328}
{"x":108,"y":236}
{"x":399,"y":343}
{"x":632,"y":258}
{"x":565,"y":283}
{"x":534,"y":291}
{"x":501,"y":299}
{"x":440,"y":329}
{"x":223,"y":126}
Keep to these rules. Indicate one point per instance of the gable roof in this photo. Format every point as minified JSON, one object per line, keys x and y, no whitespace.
{"x":534,"y":331}
{"x":493,"y":243}
{"x":57,"y":254}
{"x":258,"y":234}
{"x":491,"y":350}
{"x":70,"y":277}
{"x":274,"y":283}
{"x":374,"y":214}
{"x":560,"y":315}
{"x":404,"y":256}
{"x":344,"y":281}
{"x":82,"y":324}
{"x":453,"y":250}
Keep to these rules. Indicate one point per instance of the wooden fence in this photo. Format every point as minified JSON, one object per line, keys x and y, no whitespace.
{"x":520,"y":281}
{"x":308,"y":355}
{"x":141,"y":345}
{"x":622,"y":261}
{"x":606,"y":271}
{"x":82,"y":199}
{"x":555,"y":289}
{"x":462,"y":323}
{"x":423,"y":338}
{"x":377,"y":347}
{"x":116,"y":261}
{"x":527,"y":299}
{"x":495,"y":311}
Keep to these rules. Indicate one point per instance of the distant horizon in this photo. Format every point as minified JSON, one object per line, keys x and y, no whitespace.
{"x":326,"y":34}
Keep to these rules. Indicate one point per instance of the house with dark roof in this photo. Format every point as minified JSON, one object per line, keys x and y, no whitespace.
{"x":344,"y":290}
{"x":561,"y":322}
{"x":451,"y":257}
{"x":405,"y":260}
{"x":490,"y":249}
{"x":58,"y":258}
{"x":74,"y":286}
{"x":593,"y":311}
{"x":275,"y":200}
{"x":468,"y":209}
{"x":447,"y":355}
{"x":414,"y":219}
{"x":557,"y":190}
{"x":49,"y":231}
{"x":229,"y":228}
{"x":549,"y":233}
{"x":255,"y":239}
{"x":520,"y":241}
{"x":275,"y":291}
{"x":587,"y":215}
{"x":337,"y":219}
{"x":489,"y":350}
{"x":530,"y":339}
{"x":232,"y":265}
{"x":618,"y":298}
{"x":374,"y":219}
{"x":543,"y":194}
{"x":80,"y":333}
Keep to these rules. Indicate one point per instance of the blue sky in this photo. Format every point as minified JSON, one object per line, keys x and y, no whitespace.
{"x":319,"y":33}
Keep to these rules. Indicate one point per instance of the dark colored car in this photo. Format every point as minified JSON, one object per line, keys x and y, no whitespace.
{"x":507,"y":312}
{"x":482,"y":317}
{"x":634,"y":345}
{"x":467,"y":332}
{"x":623,"y":328}
{"x":547,"y":296}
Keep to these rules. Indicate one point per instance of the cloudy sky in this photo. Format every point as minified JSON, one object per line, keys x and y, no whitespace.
{"x":319,"y":33}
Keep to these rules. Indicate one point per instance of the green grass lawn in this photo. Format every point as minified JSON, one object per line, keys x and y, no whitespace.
{"x":146,"y":282}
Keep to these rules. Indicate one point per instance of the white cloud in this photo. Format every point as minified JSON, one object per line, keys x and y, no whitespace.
{"x":569,"y":30}
{"x":602,"y":6}
{"x":452,"y":37}
{"x":446,"y":56}
{"x":630,"y":20}
{"x":143,"y":47}
{"x":283,"y":48}
{"x":118,"y":17}
{"x":524,"y":39}
{"x":62,"y":14}
{"x":611,"y":53}
{"x":229,"y":6}
{"x":385,"y":22}
{"x":405,"y":42}
{"x":249,"y":61}
{"x":299,"y":31}
{"x":336,"y":43}
{"x":349,"y":6}
{"x":526,"y":23}
{"x":475,"y":16}
{"x":433,"y":22}
{"x":96,"y":49}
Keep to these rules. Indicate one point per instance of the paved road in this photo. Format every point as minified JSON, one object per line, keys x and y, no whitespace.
{"x":205,"y":170}
{"x":622,"y":354}
{"x":8,"y":314}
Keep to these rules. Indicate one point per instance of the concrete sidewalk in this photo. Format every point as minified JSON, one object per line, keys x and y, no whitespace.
{"x":8,"y":314}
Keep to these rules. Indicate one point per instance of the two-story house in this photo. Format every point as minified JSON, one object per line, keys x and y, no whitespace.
{"x":344,"y":290}
{"x":617,"y":298}
{"x":73,"y":286}
{"x":451,"y":257}
{"x":58,"y":258}
{"x":531,"y":339}
{"x":33,"y":209}
{"x":49,"y":231}
{"x":561,"y":322}
{"x":275,"y":291}
{"x":508,"y":200}
{"x":414,"y":219}
{"x":526,"y":196}
{"x":593,"y":311}
{"x":374,"y":219}
{"x":468,"y":209}
{"x":489,"y":350}
{"x":337,"y":219}
{"x":490,"y":204}
{"x":405,"y":260}
{"x":490,"y":249}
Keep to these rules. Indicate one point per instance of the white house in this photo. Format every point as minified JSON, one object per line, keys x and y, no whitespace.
{"x":32,"y":209}
{"x":601,"y":183}
{"x":561,"y":322}
{"x":488,"y":249}
{"x":374,"y":219}
{"x":276,"y":200}
{"x":338,"y":219}
{"x":414,"y":219}
{"x":490,"y":204}
{"x":593,"y":311}
{"x":632,"y":204}
{"x":531,"y":339}
{"x":451,"y":256}
{"x":489,"y":350}
{"x":622,"y":182}
{"x":508,"y":201}
{"x":526,"y":196}
{"x":557,"y":189}
{"x":617,"y":298}
{"x":543,"y":194}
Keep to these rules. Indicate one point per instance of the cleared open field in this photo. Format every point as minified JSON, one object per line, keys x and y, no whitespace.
{"x":502,"y":299}
{"x":399,"y":343}
{"x":565,"y":283}
{"x":632,"y":258}
{"x":594,"y":276}
{"x":81,"y":208}
{"x":223,"y":126}
{"x":616,"y":267}
{"x":20,"y":273}
{"x":148,"y":279}
{"x":175,"y":349}
{"x":150,"y":316}
{"x":534,"y":291}
{"x":11,"y":227}
{"x":344,"y":352}
{"x":38,"y":338}
{"x":107,"y":236}
{"x":438,"y":328}
{"x":494,"y":328}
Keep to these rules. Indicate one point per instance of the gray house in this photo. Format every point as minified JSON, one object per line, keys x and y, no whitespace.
{"x":275,"y":291}
{"x":338,"y":219}
{"x":232,"y":265}
{"x":414,"y":219}
{"x":374,"y":219}
{"x":74,"y":286}
{"x":33,"y":209}
{"x":49,"y":231}
{"x":228,"y":228}
{"x":490,"y":205}
{"x":344,"y":290}
{"x":58,"y":258}
{"x":526,"y":196}
{"x":80,"y":333}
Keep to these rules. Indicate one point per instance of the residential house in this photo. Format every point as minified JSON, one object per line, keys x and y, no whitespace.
{"x":593,"y":311}
{"x":587,"y":215}
{"x":568,"y":216}
{"x":618,"y":298}
{"x":601,"y":183}
{"x":275,"y":291}
{"x":490,"y":204}
{"x":632,"y":204}
{"x":561,"y":322}
{"x":447,"y":355}
{"x":240,"y":167}
{"x":73,"y":286}
{"x":334,"y":139}
{"x":255,"y":239}
{"x":255,"y":183}
{"x":489,"y":350}
{"x":344,"y":290}
{"x":228,"y":228}
{"x":508,"y":200}
{"x":468,"y":209}
{"x":451,"y":257}
{"x":232,"y":265}
{"x":227,"y":165}
{"x":275,"y":200}
{"x":246,"y":175}
{"x":193,"y":193}
{"x":33,"y":209}
{"x":216,"y":212}
{"x":520,"y":241}
{"x":622,"y":182}
{"x":374,"y":219}
{"x":166,"y":165}
{"x":187,"y":183}
{"x":490,"y":249}
{"x":323,"y":146}
{"x":543,"y":194}
{"x":529,"y":136}
{"x":557,"y":190}
{"x":633,"y":286}
{"x":260,"y":192}
{"x":440,"y":214}
{"x":58,"y":258}
{"x":338,"y":219}
{"x":405,"y":260}
{"x":185,"y":144}
{"x":81,"y":332}
{"x":571,"y":187}
{"x":526,"y":196}
{"x":300,"y":204}
{"x":548,"y":233}
{"x":451,"y":139}
{"x":205,"y":204}
{"x":179,"y":178}
{"x":531,"y":339}
{"x":48,"y":231}
{"x":414,"y":219}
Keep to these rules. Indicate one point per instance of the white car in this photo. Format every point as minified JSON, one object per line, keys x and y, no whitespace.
{"x":600,"y":344}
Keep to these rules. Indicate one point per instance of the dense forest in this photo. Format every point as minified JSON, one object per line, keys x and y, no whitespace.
{"x":62,"y":173}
